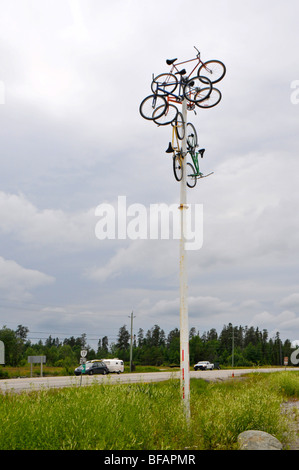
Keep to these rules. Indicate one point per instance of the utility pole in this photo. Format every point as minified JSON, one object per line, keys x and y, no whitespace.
{"x":184,"y":327}
{"x":233,"y":347}
{"x":131,"y":344}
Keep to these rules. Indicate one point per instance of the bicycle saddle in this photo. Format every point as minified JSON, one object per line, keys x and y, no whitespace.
{"x":170,"y":61}
{"x":181,"y":72}
{"x":170,"y":149}
{"x":201,"y":151}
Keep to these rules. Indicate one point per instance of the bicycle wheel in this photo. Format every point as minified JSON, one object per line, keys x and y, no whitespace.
{"x":177,"y":167}
{"x":190,"y":175}
{"x":213,"y":99}
{"x":193,"y":90}
{"x":191,"y":136}
{"x":180,"y":125}
{"x":164,"y":84}
{"x":150,"y":104}
{"x":168,"y":116}
{"x":213,"y":69}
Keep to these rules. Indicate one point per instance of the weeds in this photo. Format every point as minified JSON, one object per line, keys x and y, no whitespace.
{"x":146,"y":416}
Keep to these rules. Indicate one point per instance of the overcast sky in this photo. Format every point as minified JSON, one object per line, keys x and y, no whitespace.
{"x":73,"y":74}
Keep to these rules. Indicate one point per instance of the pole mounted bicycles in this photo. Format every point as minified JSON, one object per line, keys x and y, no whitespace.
{"x":178,"y":84}
{"x":195,"y":87}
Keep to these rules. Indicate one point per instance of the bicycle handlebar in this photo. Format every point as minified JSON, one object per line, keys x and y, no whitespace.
{"x":197,"y":51}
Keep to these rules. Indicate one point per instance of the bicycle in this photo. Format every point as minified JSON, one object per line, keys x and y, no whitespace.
{"x":211,"y":68}
{"x":157,"y":107}
{"x":191,"y":146}
{"x":193,"y":177}
{"x":178,"y":133}
{"x":195,"y":90}
{"x":150,"y":104}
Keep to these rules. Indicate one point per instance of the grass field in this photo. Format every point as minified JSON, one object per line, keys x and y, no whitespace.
{"x":147,"y":416}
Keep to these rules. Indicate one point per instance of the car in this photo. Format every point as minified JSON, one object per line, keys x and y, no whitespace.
{"x":114,"y":365}
{"x":204,"y":365}
{"x":91,"y":368}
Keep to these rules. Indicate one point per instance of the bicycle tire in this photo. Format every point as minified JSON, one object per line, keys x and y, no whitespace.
{"x":169,"y":115}
{"x":213,"y":99}
{"x":180,"y":125}
{"x":191,"y":179}
{"x":191,"y":136}
{"x":177,"y":167}
{"x":193,"y":90}
{"x":210,"y":68}
{"x":166,"y":81}
{"x":149,"y":104}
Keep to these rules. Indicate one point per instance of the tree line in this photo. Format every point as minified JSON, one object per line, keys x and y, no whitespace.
{"x":235,"y":345}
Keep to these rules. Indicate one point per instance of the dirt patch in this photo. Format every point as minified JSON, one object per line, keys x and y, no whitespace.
{"x":291,"y":408}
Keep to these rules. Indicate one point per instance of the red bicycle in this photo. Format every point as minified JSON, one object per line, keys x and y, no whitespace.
{"x":213,"y":69}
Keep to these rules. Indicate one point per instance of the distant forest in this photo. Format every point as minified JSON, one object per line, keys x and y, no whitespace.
{"x":238,"y":346}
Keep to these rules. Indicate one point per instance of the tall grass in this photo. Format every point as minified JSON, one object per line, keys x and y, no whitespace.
{"x":144,"y":416}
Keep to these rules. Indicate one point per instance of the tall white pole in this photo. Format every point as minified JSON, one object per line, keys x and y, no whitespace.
{"x":184,"y":327}
{"x":131,"y":344}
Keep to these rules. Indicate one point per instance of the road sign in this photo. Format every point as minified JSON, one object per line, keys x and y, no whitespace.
{"x":83,"y":353}
{"x":285,"y":361}
{"x":37,"y":360}
{"x":82,"y":360}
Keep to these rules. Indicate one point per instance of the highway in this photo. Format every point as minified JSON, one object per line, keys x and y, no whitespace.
{"x":37,"y":383}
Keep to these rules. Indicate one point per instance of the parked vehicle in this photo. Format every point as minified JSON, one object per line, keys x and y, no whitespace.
{"x":114,"y":365}
{"x":91,"y":368}
{"x":204,"y":365}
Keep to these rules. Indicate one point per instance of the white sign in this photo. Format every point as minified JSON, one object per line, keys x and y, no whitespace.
{"x":2,"y":353}
{"x":83,"y":353}
{"x":36,"y":359}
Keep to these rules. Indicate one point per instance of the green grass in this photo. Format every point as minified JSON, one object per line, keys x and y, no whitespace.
{"x":146,"y":416}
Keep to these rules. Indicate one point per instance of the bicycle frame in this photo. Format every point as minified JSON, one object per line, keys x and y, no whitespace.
{"x":174,"y":145}
{"x":199,"y":61}
{"x":179,"y":97}
{"x":198,"y":173}
{"x":175,"y":66}
{"x":194,"y":156}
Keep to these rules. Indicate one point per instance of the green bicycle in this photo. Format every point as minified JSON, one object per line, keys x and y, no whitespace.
{"x":192,"y":170}
{"x":193,"y":177}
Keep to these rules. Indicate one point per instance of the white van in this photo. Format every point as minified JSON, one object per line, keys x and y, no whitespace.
{"x":114,"y":365}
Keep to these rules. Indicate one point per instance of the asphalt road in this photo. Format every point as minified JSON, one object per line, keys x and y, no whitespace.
{"x":38,"y":383}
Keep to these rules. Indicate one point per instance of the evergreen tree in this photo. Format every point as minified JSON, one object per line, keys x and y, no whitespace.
{"x":123,"y":341}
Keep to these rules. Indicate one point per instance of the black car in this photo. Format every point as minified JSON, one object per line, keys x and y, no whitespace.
{"x":91,"y":368}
